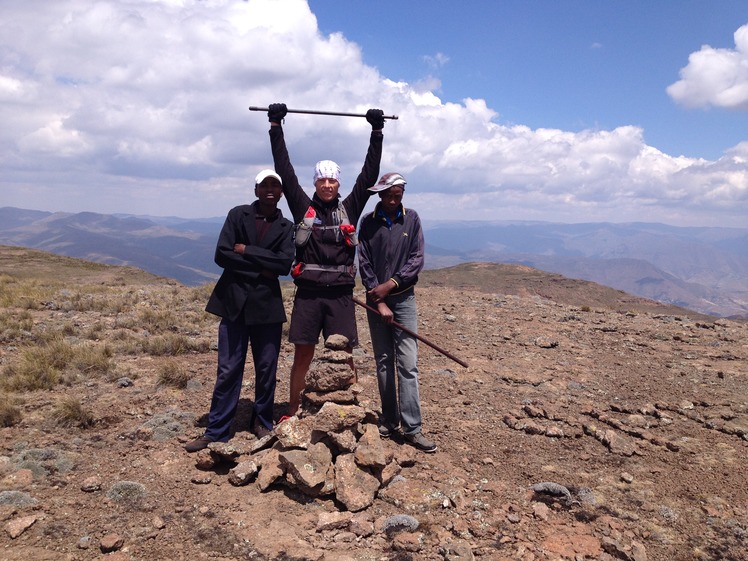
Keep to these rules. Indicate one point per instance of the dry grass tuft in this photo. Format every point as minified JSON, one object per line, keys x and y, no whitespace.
{"x":10,"y":412}
{"x":15,"y":325}
{"x":173,"y":344}
{"x":92,"y":359}
{"x":70,"y":321}
{"x":171,"y":374}
{"x":42,"y":367}
{"x":70,"y":413}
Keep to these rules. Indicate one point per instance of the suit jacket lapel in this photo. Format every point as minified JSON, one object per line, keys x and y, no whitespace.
{"x":249,"y":227}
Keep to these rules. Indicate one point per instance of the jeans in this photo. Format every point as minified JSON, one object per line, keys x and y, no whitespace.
{"x":233,"y":339}
{"x":397,"y":351}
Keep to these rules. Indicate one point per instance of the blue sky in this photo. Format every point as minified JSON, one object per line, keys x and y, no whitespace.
{"x":576,"y":111}
{"x":570,"y":65}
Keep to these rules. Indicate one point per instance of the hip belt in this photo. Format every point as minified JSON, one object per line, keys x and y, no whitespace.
{"x":301,"y":267}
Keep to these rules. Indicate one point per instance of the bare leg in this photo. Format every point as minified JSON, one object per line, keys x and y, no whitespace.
{"x":302,"y":358}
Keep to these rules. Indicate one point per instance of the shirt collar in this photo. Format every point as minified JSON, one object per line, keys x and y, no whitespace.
{"x":380,"y":214}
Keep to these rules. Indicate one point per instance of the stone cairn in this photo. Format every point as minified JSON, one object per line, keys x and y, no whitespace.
{"x":331,"y":448}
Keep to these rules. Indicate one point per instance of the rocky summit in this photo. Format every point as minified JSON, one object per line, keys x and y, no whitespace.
{"x":588,"y":425}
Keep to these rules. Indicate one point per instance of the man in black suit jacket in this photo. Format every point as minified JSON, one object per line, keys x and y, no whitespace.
{"x":254,"y":248}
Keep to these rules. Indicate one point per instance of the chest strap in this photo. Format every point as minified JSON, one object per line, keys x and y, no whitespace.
{"x":341,"y":223}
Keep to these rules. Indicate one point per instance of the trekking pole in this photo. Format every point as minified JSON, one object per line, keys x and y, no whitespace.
{"x":313,"y":112}
{"x":416,"y":335}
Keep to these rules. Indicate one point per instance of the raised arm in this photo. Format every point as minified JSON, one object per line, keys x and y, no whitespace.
{"x":356,"y":201}
{"x":298,"y":200}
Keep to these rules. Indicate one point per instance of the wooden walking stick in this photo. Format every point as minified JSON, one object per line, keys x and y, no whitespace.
{"x":416,"y":335}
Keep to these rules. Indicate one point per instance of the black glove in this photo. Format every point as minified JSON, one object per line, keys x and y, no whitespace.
{"x":277,"y":112}
{"x":375,"y":118}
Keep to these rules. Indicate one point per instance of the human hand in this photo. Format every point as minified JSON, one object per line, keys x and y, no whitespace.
{"x":384,"y":311}
{"x":381,"y":291}
{"x":375,"y":118}
{"x":239,"y":248}
{"x":277,"y":112}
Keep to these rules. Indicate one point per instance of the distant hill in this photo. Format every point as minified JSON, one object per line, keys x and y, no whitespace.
{"x":25,"y":263}
{"x":492,"y":278}
{"x":703,"y":269}
{"x":168,"y":251}
{"x":523,"y":281}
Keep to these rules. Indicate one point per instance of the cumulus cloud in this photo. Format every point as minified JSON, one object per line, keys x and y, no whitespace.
{"x":141,"y":106}
{"x":716,"y":77}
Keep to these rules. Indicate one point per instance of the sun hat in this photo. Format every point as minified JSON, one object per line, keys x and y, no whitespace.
{"x":388,"y":180}
{"x":264,"y":174}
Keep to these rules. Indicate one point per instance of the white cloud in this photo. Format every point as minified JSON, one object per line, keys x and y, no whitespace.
{"x":436,"y":61}
{"x":717,"y":77}
{"x":141,"y":106}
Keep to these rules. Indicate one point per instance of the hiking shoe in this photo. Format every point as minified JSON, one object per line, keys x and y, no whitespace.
{"x":420,"y":442}
{"x":261,"y":431}
{"x":200,"y":443}
{"x":386,"y":431}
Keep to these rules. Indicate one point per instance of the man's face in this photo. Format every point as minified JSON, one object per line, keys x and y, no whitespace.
{"x":269,"y":191}
{"x":391,"y":198}
{"x":327,"y":189}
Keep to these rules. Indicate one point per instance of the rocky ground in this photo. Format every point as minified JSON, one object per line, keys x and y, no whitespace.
{"x":589,"y":425}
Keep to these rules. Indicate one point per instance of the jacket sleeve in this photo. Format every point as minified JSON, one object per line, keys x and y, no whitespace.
{"x":275,"y":257}
{"x":408,"y":273}
{"x":356,"y":201}
{"x":368,"y":277}
{"x":298,"y":200}
{"x":225,"y":256}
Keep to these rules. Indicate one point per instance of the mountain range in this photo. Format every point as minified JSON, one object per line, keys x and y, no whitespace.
{"x":704,"y":269}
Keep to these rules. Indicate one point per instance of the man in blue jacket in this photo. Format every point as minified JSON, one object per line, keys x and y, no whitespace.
{"x":390,"y":256}
{"x":254,"y":248}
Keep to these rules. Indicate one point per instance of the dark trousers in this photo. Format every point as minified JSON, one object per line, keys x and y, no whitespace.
{"x":233,"y":340}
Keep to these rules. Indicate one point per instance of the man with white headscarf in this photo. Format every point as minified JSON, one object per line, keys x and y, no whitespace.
{"x":325,"y":239}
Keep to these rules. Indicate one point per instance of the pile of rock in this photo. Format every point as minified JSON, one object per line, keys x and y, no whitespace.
{"x":332,"y":448}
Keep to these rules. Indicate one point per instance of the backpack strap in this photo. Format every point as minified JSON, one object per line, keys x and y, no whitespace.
{"x":303,"y":230}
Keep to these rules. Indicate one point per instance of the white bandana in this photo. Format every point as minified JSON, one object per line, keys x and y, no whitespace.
{"x":326,"y":168}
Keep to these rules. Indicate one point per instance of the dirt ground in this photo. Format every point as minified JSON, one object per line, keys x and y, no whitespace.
{"x":637,"y":412}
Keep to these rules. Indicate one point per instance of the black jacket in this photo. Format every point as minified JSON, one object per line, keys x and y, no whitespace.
{"x":242,"y":288}
{"x":326,"y":247}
